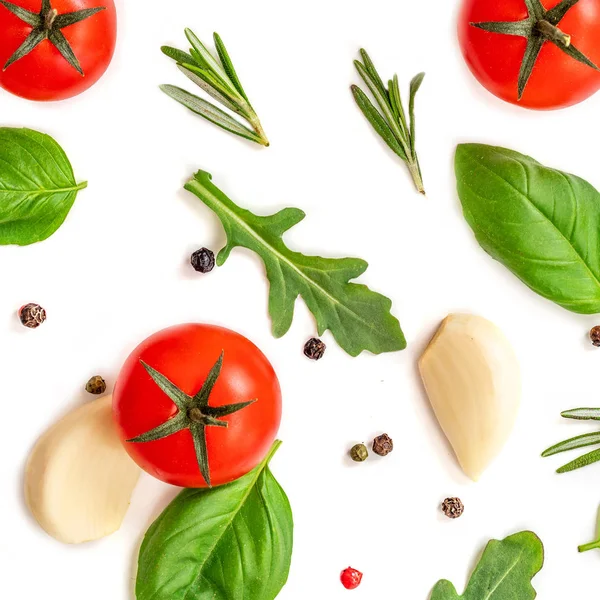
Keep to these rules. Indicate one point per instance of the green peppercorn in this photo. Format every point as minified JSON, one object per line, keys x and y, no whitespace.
{"x":359,"y":453}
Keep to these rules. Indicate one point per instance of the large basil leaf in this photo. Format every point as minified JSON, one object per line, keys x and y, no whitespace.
{"x":504,"y":571}
{"x":37,"y":186}
{"x":543,"y":224}
{"x":232,"y":542}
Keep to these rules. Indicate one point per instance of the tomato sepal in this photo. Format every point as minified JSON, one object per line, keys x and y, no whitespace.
{"x":540,"y":26}
{"x":194,"y":414}
{"x":47,"y":25}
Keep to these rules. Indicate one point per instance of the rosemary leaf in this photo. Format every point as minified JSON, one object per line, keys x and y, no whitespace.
{"x":199,"y":60}
{"x":377,"y":121}
{"x":177,"y":55}
{"x":209,"y":111}
{"x":212,"y":64}
{"x":193,"y":76}
{"x":582,"y":461}
{"x":383,"y":101}
{"x":228,"y":66}
{"x":215,"y":83}
{"x":372,"y":71}
{"x":415,"y":84}
{"x":581,"y":441}
{"x":396,"y":99}
{"x":582,"y":414}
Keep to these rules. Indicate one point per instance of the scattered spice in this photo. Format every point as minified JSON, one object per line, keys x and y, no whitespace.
{"x":203,"y":260}
{"x":595,"y":336}
{"x":359,"y":453}
{"x":453,"y":508}
{"x":96,"y":385}
{"x":32,"y":315}
{"x":383,"y":445}
{"x":314,"y":349}
{"x":351,"y":578}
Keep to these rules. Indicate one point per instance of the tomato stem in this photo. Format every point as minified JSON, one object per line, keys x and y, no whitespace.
{"x":553,"y":33}
{"x":49,"y":18}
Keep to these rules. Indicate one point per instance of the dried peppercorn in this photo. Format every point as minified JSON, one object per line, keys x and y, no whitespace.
{"x":453,"y":508}
{"x":383,"y":445}
{"x":359,"y":453}
{"x":595,"y":336}
{"x":96,"y":385}
{"x":203,"y":260}
{"x":351,"y":578}
{"x":314,"y":349}
{"x":32,"y":315}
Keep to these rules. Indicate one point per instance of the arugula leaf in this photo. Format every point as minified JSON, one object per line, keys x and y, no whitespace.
{"x":504,"y":572}
{"x":37,"y":186}
{"x":543,"y":224}
{"x":358,"y":318}
{"x":228,"y":542}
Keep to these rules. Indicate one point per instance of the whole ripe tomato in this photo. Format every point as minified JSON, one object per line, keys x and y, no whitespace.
{"x":559,"y":76}
{"x":72,"y":53}
{"x":189,"y":447}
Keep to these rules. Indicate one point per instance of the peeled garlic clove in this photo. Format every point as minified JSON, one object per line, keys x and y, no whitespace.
{"x":79,"y":479}
{"x":472,"y":378}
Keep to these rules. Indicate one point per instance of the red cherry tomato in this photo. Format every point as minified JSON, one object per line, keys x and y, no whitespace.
{"x":186,"y":355}
{"x":351,"y":578}
{"x":557,"y":80}
{"x":44,"y":73}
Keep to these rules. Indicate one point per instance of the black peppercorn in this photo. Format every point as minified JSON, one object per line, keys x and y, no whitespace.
{"x":383,"y":445}
{"x":203,"y":260}
{"x":359,"y":453}
{"x":453,"y":508}
{"x":96,"y":385}
{"x":314,"y":349}
{"x":595,"y":336}
{"x":32,"y":315}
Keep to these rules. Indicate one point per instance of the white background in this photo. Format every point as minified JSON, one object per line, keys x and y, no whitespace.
{"x":118,"y":270}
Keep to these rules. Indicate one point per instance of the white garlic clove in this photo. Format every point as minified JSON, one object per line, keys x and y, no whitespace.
{"x":472,"y":378}
{"x":79,"y":479}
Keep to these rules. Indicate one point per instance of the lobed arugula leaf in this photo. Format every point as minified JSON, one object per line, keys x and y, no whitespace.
{"x":358,"y":318}
{"x":37,"y":186}
{"x":504,"y":572}
{"x":232,"y":541}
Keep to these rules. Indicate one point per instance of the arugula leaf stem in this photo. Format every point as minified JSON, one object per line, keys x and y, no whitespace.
{"x":591,"y":546}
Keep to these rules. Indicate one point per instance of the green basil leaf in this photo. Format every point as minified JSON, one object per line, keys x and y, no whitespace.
{"x":37,"y":186}
{"x":359,"y":318}
{"x":232,"y":542}
{"x":543,"y":224}
{"x":504,"y":571}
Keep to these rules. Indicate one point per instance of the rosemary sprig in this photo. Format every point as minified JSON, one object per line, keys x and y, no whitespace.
{"x":219,"y":79}
{"x":580,"y":441}
{"x":390,"y":120}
